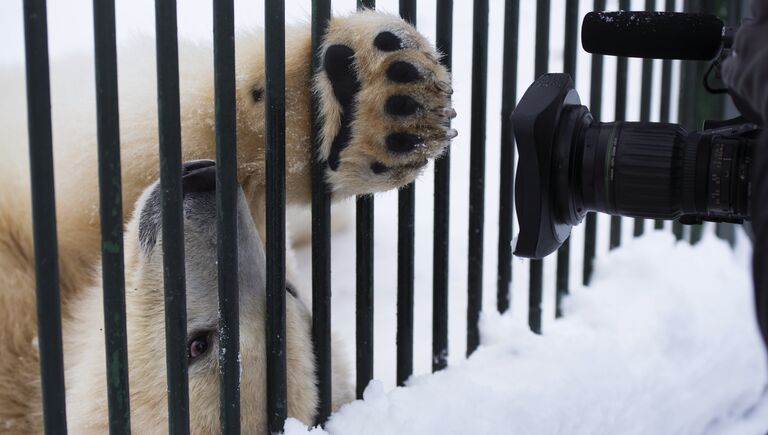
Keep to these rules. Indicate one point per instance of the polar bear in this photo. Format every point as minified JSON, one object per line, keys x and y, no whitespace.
{"x":146,"y":342}
{"x":384,"y":100}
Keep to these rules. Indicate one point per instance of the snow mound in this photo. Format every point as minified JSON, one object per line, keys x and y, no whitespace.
{"x":663,"y":342}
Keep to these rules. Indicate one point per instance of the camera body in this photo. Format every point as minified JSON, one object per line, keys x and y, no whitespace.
{"x":570,"y":164}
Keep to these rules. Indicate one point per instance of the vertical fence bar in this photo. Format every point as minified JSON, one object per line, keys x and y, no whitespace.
{"x":704,"y":105}
{"x":44,"y":217}
{"x":444,"y":39}
{"x":687,"y":100}
{"x":685,"y":110}
{"x":364,"y":294}
{"x":507,"y":175}
{"x":677,"y":227}
{"x":541,"y":64}
{"x":621,"y":115}
{"x":477,"y":171}
{"x":596,"y":107}
{"x":171,"y":200}
{"x":226,"y":215}
{"x":111,"y":217}
{"x":697,"y":108}
{"x":364,"y":298}
{"x":405,"y":270}
{"x":405,"y":255}
{"x":274,"y":98}
{"x":569,"y":66}
{"x":727,"y":231}
{"x":561,"y":276}
{"x":321,"y":233}
{"x":666,"y":95}
{"x":677,"y":230}
{"x":590,"y":236}
{"x":645,"y":108}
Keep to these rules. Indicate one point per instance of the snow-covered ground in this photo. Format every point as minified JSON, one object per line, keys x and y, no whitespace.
{"x":663,"y":342}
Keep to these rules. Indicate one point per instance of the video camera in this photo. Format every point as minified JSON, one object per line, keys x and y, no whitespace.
{"x":570,"y":163}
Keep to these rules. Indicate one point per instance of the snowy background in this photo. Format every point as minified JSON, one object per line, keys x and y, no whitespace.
{"x":664,"y":341}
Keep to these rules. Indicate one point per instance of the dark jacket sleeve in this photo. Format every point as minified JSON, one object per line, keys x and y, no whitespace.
{"x":746,"y":70}
{"x":746,"y":73}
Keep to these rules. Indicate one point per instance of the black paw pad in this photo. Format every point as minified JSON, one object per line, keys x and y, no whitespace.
{"x":339,"y":66}
{"x":403,"y":72}
{"x":387,"y":41}
{"x":378,"y":168}
{"x":401,"y":105}
{"x":402,"y":142}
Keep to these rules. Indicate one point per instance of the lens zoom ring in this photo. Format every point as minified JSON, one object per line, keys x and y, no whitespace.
{"x":648,"y":170}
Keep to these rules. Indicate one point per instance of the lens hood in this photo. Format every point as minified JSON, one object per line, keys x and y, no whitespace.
{"x":535,"y":122}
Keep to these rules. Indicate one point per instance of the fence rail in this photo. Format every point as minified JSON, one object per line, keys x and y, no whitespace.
{"x":44,"y":216}
{"x":171,"y":171}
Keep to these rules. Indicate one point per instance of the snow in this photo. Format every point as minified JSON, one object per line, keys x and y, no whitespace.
{"x":664,"y":341}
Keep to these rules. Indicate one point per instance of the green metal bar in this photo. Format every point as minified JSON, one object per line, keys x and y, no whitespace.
{"x":226,"y":215}
{"x":688,"y":86}
{"x":405,"y":276}
{"x":701,"y":105}
{"x":621,"y":115}
{"x":405,"y":255}
{"x":569,"y":66}
{"x":111,"y":217}
{"x":44,"y":218}
{"x":535,"y":297}
{"x":696,"y":233}
{"x":406,"y":258}
{"x":726,"y":231}
{"x":507,"y":175}
{"x":541,"y":64}
{"x":561,"y":276}
{"x":364,"y":289}
{"x":666,"y":100}
{"x":590,"y":232}
{"x":444,"y":40}
{"x":596,"y":105}
{"x":171,"y":200}
{"x":477,"y":171}
{"x":274,"y":99}
{"x":321,"y":234}
{"x":364,"y":293}
{"x":677,"y":230}
{"x":645,"y":107}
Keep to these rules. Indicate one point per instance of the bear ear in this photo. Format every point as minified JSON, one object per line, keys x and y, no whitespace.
{"x":148,"y":209}
{"x":252,"y":261}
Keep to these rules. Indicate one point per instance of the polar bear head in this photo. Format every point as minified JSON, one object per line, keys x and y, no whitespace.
{"x":86,"y":383}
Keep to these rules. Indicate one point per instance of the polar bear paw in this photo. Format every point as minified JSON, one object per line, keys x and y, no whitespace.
{"x":384,"y":100}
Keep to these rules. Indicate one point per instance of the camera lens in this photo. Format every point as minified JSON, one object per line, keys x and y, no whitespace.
{"x":649,"y":170}
{"x":570,"y":164}
{"x":633,"y":169}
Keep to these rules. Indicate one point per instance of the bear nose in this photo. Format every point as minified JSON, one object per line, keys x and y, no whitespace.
{"x":198,"y":176}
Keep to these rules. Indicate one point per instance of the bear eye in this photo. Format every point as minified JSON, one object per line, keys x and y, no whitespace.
{"x":198,"y":346}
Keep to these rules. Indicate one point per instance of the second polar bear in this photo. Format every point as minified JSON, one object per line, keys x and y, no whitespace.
{"x":385,"y":104}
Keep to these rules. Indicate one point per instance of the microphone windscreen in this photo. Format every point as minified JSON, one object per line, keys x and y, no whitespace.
{"x":658,"y":35}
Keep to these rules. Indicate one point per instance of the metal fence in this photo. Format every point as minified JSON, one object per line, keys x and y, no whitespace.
{"x":111,"y":212}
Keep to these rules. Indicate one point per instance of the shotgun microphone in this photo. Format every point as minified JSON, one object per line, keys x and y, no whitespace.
{"x":658,"y":35}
